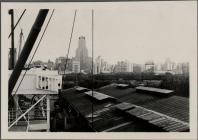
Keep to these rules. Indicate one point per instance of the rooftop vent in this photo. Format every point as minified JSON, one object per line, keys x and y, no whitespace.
{"x":81,"y":89}
{"x":97,"y":95}
{"x":122,"y":86}
{"x":156,"y":91}
{"x":124,"y":106}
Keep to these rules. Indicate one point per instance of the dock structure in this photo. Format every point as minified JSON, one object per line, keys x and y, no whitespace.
{"x":127,"y":110}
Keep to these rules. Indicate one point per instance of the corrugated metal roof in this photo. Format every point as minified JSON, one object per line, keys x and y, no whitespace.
{"x":173,"y":106}
{"x":165,"y":122}
{"x":111,"y":115}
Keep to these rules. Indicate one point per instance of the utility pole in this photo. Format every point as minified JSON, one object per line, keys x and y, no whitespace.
{"x":11,"y":12}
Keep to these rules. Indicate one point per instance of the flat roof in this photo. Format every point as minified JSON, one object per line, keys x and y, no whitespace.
{"x":97,"y":95}
{"x":158,"y":90}
{"x":122,"y":85}
{"x":80,"y":88}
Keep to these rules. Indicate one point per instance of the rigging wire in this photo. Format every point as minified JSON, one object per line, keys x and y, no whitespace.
{"x":17,"y":23}
{"x":34,"y":51}
{"x":20,"y":27}
{"x":92,"y":61}
{"x":70,"y":41}
{"x":18,"y":18}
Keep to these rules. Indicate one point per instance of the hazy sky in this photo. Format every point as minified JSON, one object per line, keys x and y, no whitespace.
{"x":136,"y":31}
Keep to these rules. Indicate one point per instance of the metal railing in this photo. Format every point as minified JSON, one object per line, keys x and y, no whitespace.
{"x":34,"y":114}
{"x":14,"y":117}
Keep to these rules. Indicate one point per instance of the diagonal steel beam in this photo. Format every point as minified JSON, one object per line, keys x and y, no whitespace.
{"x":27,"y":49}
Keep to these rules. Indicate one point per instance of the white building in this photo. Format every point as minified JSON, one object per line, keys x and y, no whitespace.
{"x":101,"y":66}
{"x":36,"y":79}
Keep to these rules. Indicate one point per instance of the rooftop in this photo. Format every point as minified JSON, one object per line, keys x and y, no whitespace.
{"x":97,"y":95}
{"x":125,"y":110}
{"x":174,"y":106}
{"x":158,"y":90}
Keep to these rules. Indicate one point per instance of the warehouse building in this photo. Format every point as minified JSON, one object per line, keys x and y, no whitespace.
{"x":120,"y":108}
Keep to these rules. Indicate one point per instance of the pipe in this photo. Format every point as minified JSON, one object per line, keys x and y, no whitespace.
{"x":34,"y":32}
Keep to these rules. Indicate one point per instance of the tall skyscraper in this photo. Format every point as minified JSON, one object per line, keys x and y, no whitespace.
{"x":82,"y":54}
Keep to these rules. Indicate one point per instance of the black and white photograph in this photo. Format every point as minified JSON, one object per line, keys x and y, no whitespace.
{"x":107,"y":69}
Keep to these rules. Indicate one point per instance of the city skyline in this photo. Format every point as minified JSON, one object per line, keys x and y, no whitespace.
{"x":148,"y":35}
{"x":81,"y":62}
{"x":106,"y":67}
{"x":155,"y":62}
{"x":102,"y":66}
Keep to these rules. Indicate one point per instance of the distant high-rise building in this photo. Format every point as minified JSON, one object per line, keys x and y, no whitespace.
{"x":185,"y":68}
{"x":82,"y":54}
{"x":123,"y":66}
{"x":75,"y":66}
{"x":158,"y":67}
{"x":102,"y":66}
{"x":182,"y":68}
{"x":169,"y":65}
{"x":60,"y":65}
{"x":98,"y":65}
{"x":149,"y":66}
{"x":137,"y":68}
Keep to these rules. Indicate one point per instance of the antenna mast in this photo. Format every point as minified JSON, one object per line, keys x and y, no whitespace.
{"x":12,"y":55}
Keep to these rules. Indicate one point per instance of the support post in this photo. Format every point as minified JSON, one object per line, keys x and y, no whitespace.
{"x":48,"y":113}
{"x":16,"y":105}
